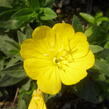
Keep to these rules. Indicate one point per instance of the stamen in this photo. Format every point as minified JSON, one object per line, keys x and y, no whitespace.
{"x":55,"y":60}
{"x":46,"y":54}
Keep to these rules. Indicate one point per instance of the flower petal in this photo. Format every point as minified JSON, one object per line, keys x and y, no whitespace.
{"x":63,"y":33}
{"x":35,"y":67}
{"x":45,"y":35}
{"x":64,"y":30}
{"x":27,"y":49}
{"x":30,"y":49}
{"x":86,"y":61}
{"x":79,"y":45}
{"x":70,"y":76}
{"x":50,"y":81}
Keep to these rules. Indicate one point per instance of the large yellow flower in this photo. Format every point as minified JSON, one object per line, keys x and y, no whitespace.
{"x":56,"y":55}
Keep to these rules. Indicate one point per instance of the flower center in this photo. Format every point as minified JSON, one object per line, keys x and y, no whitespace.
{"x":56,"y":60}
{"x":62,"y":58}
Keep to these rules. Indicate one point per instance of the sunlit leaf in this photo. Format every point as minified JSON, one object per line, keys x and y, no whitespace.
{"x":88,"y":17}
{"x":96,"y":48}
{"x":47,"y":14}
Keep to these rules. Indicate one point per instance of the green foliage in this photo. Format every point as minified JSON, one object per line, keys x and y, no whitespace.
{"x":97,"y":29}
{"x":11,"y":75}
{"x":96,"y":85}
{"x":25,"y":93}
{"x":86,"y":89}
{"x":32,"y":10}
{"x":77,"y":24}
{"x":88,"y":18}
{"x":47,"y":14}
{"x":96,"y":48}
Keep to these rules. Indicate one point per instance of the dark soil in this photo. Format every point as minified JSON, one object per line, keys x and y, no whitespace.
{"x":67,"y":8}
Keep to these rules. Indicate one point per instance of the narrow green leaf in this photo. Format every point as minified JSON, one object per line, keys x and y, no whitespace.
{"x":101,"y":19}
{"x":99,"y":14}
{"x":34,"y":4}
{"x":1,"y":64}
{"x":16,"y":23}
{"x":89,"y":31}
{"x":22,"y":104}
{"x":6,"y":3}
{"x":106,"y":44}
{"x":21,"y":36}
{"x":96,"y":48}
{"x":22,"y":12}
{"x":88,"y":17}
{"x":27,"y":85}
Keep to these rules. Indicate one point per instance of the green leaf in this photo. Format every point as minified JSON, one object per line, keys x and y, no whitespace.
{"x":22,"y":12}
{"x":6,"y":3}
{"x":13,"y":60}
{"x":6,"y":15}
{"x":24,"y":34}
{"x":106,"y":45}
{"x":96,"y":37}
{"x":102,"y":66}
{"x":99,"y":14}
{"x":101,"y":19}
{"x":12,"y":75}
{"x":7,"y":45}
{"x":89,"y":31}
{"x":88,"y":17}
{"x":16,"y":22}
{"x":104,"y":54}
{"x":47,"y":14}
{"x":28,"y":31}
{"x":46,"y":3}
{"x":87,"y":90}
{"x":34,"y":4}
{"x":4,"y":9}
{"x":22,"y":104}
{"x":96,"y":48}
{"x":27,"y":85}
{"x":1,"y":64}
{"x":16,"y":71}
{"x":14,"y":19}
{"x":21,"y":36}
{"x":77,"y":24}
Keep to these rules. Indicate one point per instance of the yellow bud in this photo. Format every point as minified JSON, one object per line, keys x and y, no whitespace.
{"x":37,"y":101}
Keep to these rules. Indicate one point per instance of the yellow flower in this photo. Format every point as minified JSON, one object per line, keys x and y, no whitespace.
{"x":56,"y":55}
{"x":37,"y":101}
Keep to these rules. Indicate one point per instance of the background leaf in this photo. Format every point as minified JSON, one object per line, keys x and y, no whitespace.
{"x":77,"y":24}
{"x":87,"y":90}
{"x":12,"y":75}
{"x":47,"y":14}
{"x":88,"y":17}
{"x":96,"y":48}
